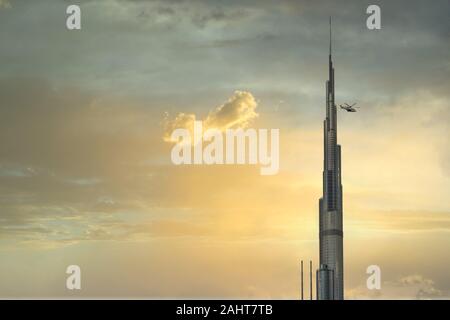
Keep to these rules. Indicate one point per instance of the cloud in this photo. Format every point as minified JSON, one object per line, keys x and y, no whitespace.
{"x":182,"y":120}
{"x":415,"y":279}
{"x":201,"y":20}
{"x":425,"y":288}
{"x":237,"y":112}
{"x":5,"y":4}
{"x":414,"y":286}
{"x":399,"y":221}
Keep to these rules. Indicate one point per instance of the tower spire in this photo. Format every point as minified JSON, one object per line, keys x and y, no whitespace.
{"x":330,"y":35}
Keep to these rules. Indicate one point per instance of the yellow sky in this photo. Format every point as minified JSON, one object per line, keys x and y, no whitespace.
{"x":227,"y":231}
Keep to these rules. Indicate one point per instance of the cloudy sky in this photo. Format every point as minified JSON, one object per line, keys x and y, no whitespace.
{"x":85,"y":171}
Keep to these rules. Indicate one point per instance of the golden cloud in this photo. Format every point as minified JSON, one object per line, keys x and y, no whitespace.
{"x":237,"y":112}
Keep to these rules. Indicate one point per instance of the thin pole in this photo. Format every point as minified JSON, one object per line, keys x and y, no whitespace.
{"x":302,"y":279}
{"x":310,"y":279}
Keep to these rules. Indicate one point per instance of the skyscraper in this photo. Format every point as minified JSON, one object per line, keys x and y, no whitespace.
{"x":330,"y":275}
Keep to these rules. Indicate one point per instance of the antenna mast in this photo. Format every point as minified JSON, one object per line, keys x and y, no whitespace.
{"x":330,"y":35}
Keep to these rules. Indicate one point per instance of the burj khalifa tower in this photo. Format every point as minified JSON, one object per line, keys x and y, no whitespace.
{"x":330,"y":275}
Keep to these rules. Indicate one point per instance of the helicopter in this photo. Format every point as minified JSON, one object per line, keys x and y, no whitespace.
{"x":348,"y":108}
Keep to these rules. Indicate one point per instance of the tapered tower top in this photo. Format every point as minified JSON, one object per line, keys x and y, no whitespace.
{"x":330,"y":35}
